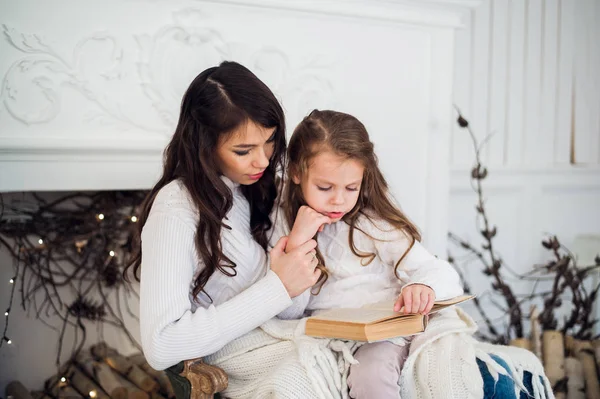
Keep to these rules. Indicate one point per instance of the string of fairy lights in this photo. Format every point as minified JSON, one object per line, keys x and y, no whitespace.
{"x":13,"y":280}
{"x":38,"y":232}
{"x":13,"y":286}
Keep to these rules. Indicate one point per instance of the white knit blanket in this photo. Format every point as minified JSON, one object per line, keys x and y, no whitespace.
{"x":277,"y":360}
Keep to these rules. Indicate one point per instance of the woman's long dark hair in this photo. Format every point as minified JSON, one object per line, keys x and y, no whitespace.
{"x":218,"y":101}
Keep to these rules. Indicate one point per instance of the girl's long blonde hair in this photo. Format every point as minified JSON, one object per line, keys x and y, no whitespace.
{"x":347,"y":137}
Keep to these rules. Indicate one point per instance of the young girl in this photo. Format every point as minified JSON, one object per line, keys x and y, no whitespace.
{"x":368,"y":250}
{"x":204,"y":224}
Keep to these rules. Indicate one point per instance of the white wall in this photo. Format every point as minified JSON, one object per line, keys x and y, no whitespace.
{"x":529,"y":72}
{"x":90,"y":96}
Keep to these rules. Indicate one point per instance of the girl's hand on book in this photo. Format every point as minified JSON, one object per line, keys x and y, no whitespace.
{"x":307,"y":223}
{"x":415,"y":298}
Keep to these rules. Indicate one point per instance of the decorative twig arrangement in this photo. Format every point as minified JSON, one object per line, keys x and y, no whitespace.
{"x":568,"y":348}
{"x":567,"y":277}
{"x":68,"y":257}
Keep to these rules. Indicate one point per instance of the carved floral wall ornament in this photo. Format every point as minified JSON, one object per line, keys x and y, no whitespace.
{"x":170,"y":58}
{"x":32,"y":88}
{"x":303,"y":87}
{"x":153,"y":75}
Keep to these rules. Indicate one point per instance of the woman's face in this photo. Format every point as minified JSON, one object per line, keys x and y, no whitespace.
{"x":244,"y":155}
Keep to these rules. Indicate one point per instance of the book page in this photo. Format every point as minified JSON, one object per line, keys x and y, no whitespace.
{"x":379,"y":311}
{"x":361,"y":315}
{"x":438,"y":305}
{"x":383,"y":305}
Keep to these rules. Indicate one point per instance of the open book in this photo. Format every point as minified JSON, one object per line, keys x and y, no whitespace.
{"x":372,"y":322}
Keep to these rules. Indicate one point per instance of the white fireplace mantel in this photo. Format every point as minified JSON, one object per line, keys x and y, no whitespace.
{"x":90,"y":97}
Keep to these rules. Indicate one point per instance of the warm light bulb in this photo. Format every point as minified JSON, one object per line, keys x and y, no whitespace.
{"x":63,"y":379}
{"x":134,"y":219}
{"x":101,"y":216}
{"x":41,"y":241}
{"x":92,"y":394}
{"x":112,"y":253}
{"x":11,"y":281}
{"x":8,"y":341}
{"x":6,"y":313}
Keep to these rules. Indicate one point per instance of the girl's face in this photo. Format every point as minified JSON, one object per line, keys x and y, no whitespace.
{"x":244,"y":155}
{"x":332,"y":184}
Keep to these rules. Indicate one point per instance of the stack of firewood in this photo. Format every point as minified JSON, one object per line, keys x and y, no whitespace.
{"x":102,"y":373}
{"x":570,"y":364}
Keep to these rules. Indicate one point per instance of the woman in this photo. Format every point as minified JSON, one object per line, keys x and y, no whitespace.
{"x":203,"y":227}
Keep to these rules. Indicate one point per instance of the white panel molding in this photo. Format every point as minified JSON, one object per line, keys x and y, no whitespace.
{"x":527,"y":204}
{"x":40,"y":78}
{"x":294,"y":83}
{"x":539,"y":180}
{"x":532,"y":150}
{"x":438,"y":181}
{"x":530,"y":77}
{"x":186,"y":34}
{"x":51,"y":72}
{"x":566,"y":171}
{"x":93,"y":105}
{"x":515,"y":111}
{"x":497,"y":83}
{"x":440,"y":13}
{"x":563,"y":120}
{"x":155,"y":78}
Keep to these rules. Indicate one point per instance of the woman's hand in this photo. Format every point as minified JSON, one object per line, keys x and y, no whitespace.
{"x":307,"y":223}
{"x":415,"y":298}
{"x":297,"y":268}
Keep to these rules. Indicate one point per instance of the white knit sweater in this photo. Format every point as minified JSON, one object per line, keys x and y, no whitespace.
{"x":350,"y":284}
{"x":173,"y":326}
{"x":278,"y":360}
